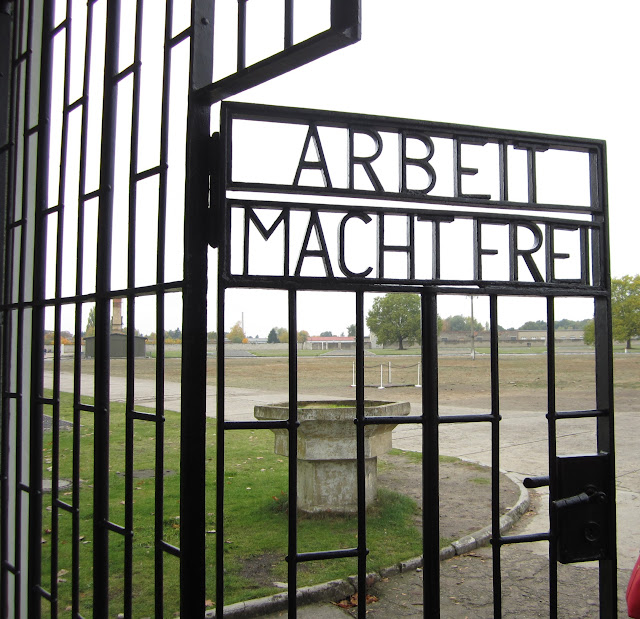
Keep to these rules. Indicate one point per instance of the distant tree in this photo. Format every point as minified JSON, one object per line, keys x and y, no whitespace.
{"x":351,"y":330}
{"x":625,"y":308}
{"x":174,"y":334}
{"x":461,"y":323}
{"x":91,"y":323}
{"x":211,"y":336}
{"x":566,"y":324}
{"x":236,"y":335}
{"x":272,"y":338}
{"x":303,"y":336}
{"x":395,"y":317}
{"x":530,"y":325}
{"x":283,"y":335}
{"x":590,"y":333}
{"x":326,"y":334}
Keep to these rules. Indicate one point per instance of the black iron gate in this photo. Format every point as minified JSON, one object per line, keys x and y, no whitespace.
{"x":92,"y":179}
{"x":319,"y":246}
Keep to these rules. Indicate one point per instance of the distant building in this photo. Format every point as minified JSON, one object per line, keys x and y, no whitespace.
{"x":333,"y":342}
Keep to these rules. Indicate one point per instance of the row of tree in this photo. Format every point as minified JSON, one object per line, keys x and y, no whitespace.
{"x":396,"y":317}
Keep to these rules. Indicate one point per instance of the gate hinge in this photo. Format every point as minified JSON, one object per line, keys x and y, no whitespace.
{"x":216,"y":200}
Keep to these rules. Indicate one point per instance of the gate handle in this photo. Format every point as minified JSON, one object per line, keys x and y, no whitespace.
{"x":590,"y":495}
{"x":535,"y":482}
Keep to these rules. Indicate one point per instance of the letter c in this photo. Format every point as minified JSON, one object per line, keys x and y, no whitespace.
{"x":343,"y":267}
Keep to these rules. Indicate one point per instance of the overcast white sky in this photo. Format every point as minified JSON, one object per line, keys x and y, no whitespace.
{"x":565,"y":68}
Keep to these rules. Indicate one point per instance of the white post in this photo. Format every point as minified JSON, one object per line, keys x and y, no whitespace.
{"x":389,"y":372}
{"x":353,"y":382}
{"x":473,"y":333}
{"x":419,"y":375}
{"x":381,"y":385}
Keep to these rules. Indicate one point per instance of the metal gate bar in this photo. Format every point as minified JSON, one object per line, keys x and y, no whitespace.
{"x":495,"y":456}
{"x":430,"y":457}
{"x":551,"y":433}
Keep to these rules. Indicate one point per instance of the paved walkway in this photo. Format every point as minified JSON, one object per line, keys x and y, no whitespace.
{"x":523,"y":452}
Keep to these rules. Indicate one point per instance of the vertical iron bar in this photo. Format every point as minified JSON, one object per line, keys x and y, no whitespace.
{"x":220,"y":452}
{"x":77,"y":354}
{"x":604,"y":380}
{"x":503,"y":170}
{"x":495,"y":457}
{"x":20,"y":318}
{"x":55,"y":447}
{"x":553,"y":477}
{"x":293,"y":456}
{"x":37,"y":327}
{"x":242,"y":34}
{"x":288,"y":23}
{"x":194,"y":321}
{"x":131,"y":282}
{"x":6,"y":191}
{"x":103,"y":315}
{"x":430,"y":463}
{"x":160,"y":315}
{"x":360,"y":458}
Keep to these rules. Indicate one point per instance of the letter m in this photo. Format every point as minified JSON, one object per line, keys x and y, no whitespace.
{"x":251,"y":217}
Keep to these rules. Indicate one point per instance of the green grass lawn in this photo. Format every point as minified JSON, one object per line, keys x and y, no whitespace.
{"x":255,"y":528}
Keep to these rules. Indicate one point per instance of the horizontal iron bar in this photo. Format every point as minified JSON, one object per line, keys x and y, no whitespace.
{"x":536,"y":482}
{"x":65,"y":506}
{"x":127,"y":71}
{"x":116,"y":528}
{"x":170,"y":548}
{"x":181,"y":36}
{"x":142,"y":291}
{"x":391,"y":419}
{"x":301,"y":557}
{"x":467,"y":418}
{"x":87,"y":408}
{"x":24,"y":487}
{"x":523,"y":539}
{"x":147,"y":416}
{"x":52,"y":209}
{"x":61,"y":26}
{"x":91,"y":195}
{"x":150,"y":172}
{"x":428,"y":215}
{"x":49,"y":401}
{"x":580,"y":414}
{"x":256,"y":425}
{"x":324,"y":118}
{"x":474,"y":287}
{"x":75,"y":104}
{"x":44,"y":593}
{"x":9,"y":567}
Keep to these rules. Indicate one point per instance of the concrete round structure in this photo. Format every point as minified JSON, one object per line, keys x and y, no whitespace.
{"x":327,"y":480}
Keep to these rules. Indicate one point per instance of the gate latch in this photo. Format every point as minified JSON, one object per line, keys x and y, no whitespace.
{"x":581,"y":507}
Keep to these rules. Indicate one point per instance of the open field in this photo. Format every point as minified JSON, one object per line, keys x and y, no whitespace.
{"x":462,"y":381}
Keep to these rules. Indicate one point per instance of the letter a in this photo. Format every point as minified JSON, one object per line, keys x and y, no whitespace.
{"x":320,"y":164}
